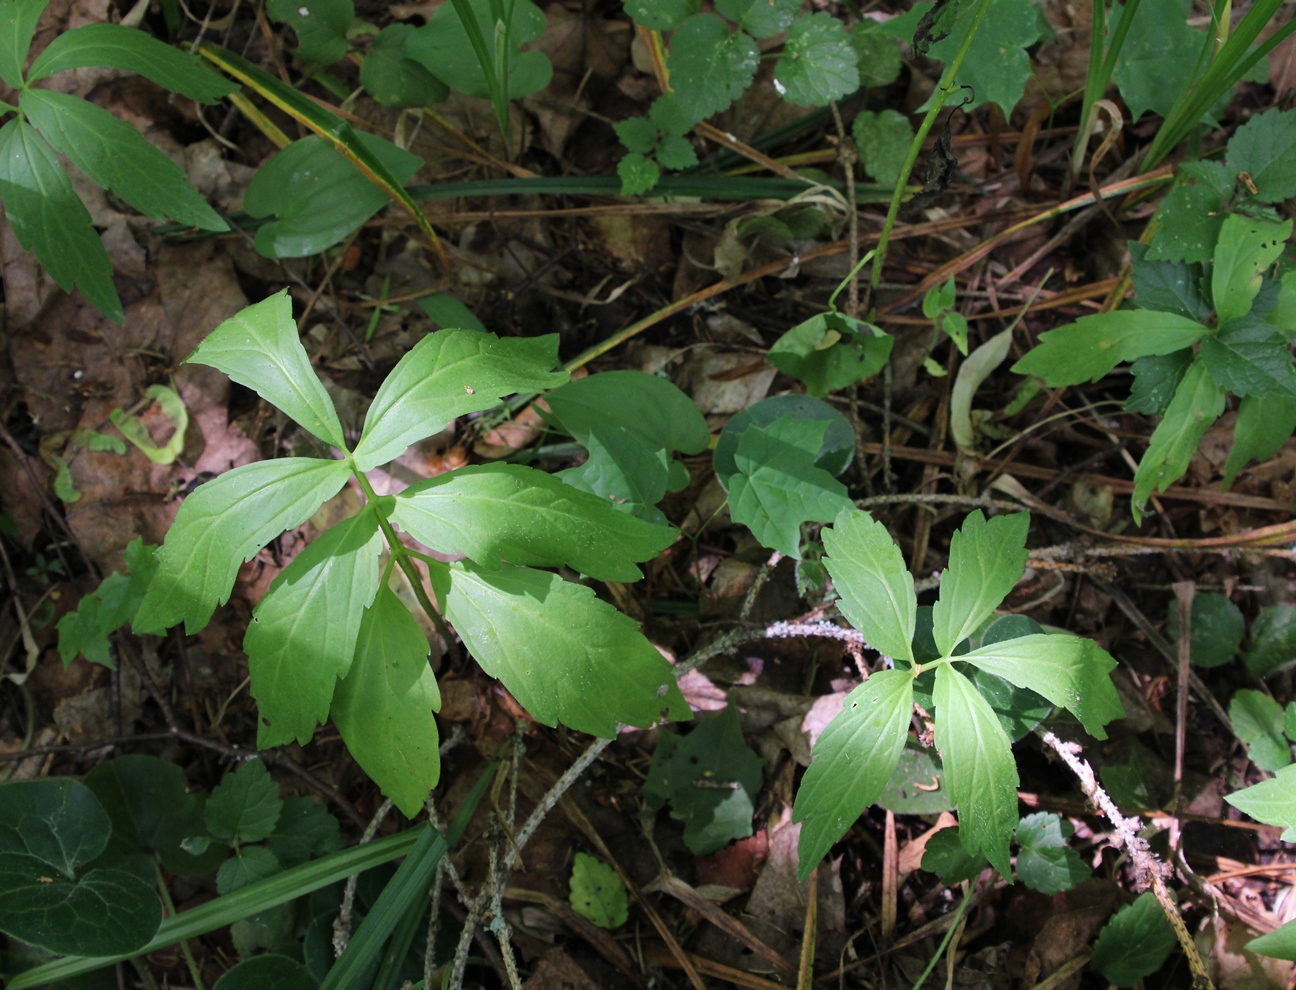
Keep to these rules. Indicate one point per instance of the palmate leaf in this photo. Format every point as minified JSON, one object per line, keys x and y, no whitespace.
{"x":853,"y":760}
{"x":882,"y":139}
{"x":661,"y":15}
{"x":1246,"y":247}
{"x":830,"y":351}
{"x":447,"y":374}
{"x":1197,"y":403}
{"x":507,"y":513}
{"x":1070,"y":671}
{"x":17,"y":26}
{"x":979,"y":768}
{"x":383,"y":706}
{"x":259,"y":347}
{"x":1088,"y":349}
{"x":50,"y":221}
{"x":303,"y":632}
{"x":565,"y":655}
{"x":986,"y":559}
{"x":1158,"y":56}
{"x":623,"y":469}
{"x":877,"y":590}
{"x":117,"y":157}
{"x":222,"y":524}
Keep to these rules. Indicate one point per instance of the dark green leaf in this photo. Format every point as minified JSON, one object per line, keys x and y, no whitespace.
{"x":1262,"y":427}
{"x":1265,"y":148}
{"x":661,"y":15}
{"x":248,"y":865}
{"x":986,"y":559}
{"x":637,"y":134}
{"x":449,"y":313}
{"x":877,"y":53}
{"x":638,"y":174}
{"x":997,"y":66}
{"x":1212,"y":174}
{"x":760,"y":18}
{"x":395,"y":80}
{"x":883,"y":139}
{"x":305,"y":829}
{"x":1134,"y":944}
{"x":1155,"y":380}
{"x":1258,"y":721}
{"x":106,"y":609}
{"x":59,"y":822}
{"x":269,"y":972}
{"x":945,"y":856}
{"x":646,"y":405}
{"x":1089,"y":348}
{"x":18,"y":20}
{"x":1143,"y":781}
{"x":1189,"y":222}
{"x":597,"y":893}
{"x":1168,"y":286}
{"x":1159,"y":55}
{"x":245,"y":806}
{"x":321,"y":26}
{"x":834,"y":455}
{"x":1045,"y":862}
{"x":1244,"y":366}
{"x":1197,"y":403}
{"x":1216,"y":631}
{"x":877,"y":590}
{"x":830,"y":351}
{"x":443,"y":48}
{"x":1019,"y":711}
{"x":1273,"y":640}
{"x":718,"y":65}
{"x":819,"y":63}
{"x":1247,"y":246}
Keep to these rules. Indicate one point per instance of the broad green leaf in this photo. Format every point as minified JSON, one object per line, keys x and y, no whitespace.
{"x":117,"y":157}
{"x":1158,"y":57}
{"x":997,"y":66}
{"x":1280,"y":944}
{"x":59,"y":821}
{"x":979,"y":767}
{"x":718,"y":65}
{"x":1273,"y":640}
{"x":1168,"y":286}
{"x":945,"y":856}
{"x":18,"y":20}
{"x":318,"y":196}
{"x":395,"y":80}
{"x":986,"y":559}
{"x":1189,"y":221}
{"x":1085,"y":351}
{"x":834,"y":455}
{"x":248,"y":865}
{"x":623,"y":469}
{"x":830,"y":351}
{"x":1155,"y":380}
{"x":853,"y":760}
{"x":449,"y":313}
{"x":116,"y":47}
{"x":565,"y":655}
{"x":819,"y":63}
{"x":646,"y":405}
{"x":1265,"y":148}
{"x":1271,"y":801}
{"x":268,"y":972}
{"x":1197,"y":403}
{"x":443,"y":48}
{"x":597,"y":893}
{"x":1134,"y":944}
{"x":638,"y":174}
{"x":106,"y":609}
{"x":50,"y":221}
{"x":383,"y":706}
{"x":302,"y":637}
{"x":1070,"y":671}
{"x":447,"y":374}
{"x":259,"y":347}
{"x":222,"y":524}
{"x":175,"y":411}
{"x":1244,"y":365}
{"x":778,"y":487}
{"x":878,"y":55}
{"x":1216,"y":629}
{"x":1045,"y":862}
{"x":1258,"y":721}
{"x":917,"y":785}
{"x":305,"y":829}
{"x":321,"y":26}
{"x":661,"y":15}
{"x":507,"y":513}
{"x":1247,"y":246}
{"x":883,"y":139}
{"x":1019,"y":710}
{"x":759,"y":18}
{"x":877,"y":590}
{"x":245,"y":806}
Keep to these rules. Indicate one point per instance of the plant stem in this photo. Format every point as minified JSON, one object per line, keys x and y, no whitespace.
{"x":194,"y":972}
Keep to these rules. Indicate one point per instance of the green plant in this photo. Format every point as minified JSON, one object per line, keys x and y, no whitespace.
{"x":40,"y":204}
{"x":597,"y":893}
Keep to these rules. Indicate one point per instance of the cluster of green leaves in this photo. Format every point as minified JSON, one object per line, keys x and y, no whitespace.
{"x":1273,"y":802}
{"x":1217,"y":630}
{"x":859,"y":750}
{"x":938,"y":306}
{"x":1265,"y":726}
{"x":46,"y":215}
{"x":1045,"y":861}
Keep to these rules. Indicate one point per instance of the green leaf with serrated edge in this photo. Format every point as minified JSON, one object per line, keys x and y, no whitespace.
{"x":117,"y":157}
{"x":1280,"y":944}
{"x":855,"y":350}
{"x":1216,"y":629}
{"x":1272,"y":802}
{"x":447,"y":374}
{"x":1273,"y":640}
{"x":1085,"y":351}
{"x":877,"y":53}
{"x":18,"y":20}
{"x":1197,"y":403}
{"x":113,"y":46}
{"x":507,"y":513}
{"x":245,"y":806}
{"x":646,"y":405}
{"x":661,"y":15}
{"x":638,"y":174}
{"x":1247,"y":246}
{"x":1045,"y":862}
{"x":383,"y":706}
{"x":305,"y":829}
{"x":877,"y":590}
{"x":669,"y":116}
{"x":597,"y":893}
{"x":1070,"y":671}
{"x":443,"y":48}
{"x":248,"y":865}
{"x":1155,"y":380}
{"x":623,"y":469}
{"x":1158,"y":56}
{"x":268,"y":972}
{"x":1245,"y":367}
{"x":718,"y":65}
{"x":1134,"y":944}
{"x":945,"y":856}
{"x":1212,"y":174}
{"x":778,"y":487}
{"x":986,"y":558}
{"x":882,"y":139}
{"x":1265,"y":148}
{"x":321,"y":26}
{"x":1188,"y":225}
{"x":676,"y":153}
{"x":853,"y":760}
{"x":566,"y":656}
{"x":637,"y":134}
{"x":50,"y":221}
{"x":997,"y":66}
{"x":222,"y":524}
{"x":303,"y":632}
{"x":395,"y":80}
{"x":106,"y":609}
{"x":1168,"y":286}
{"x":1283,"y":313}
{"x":760,"y":18}
{"x":818,"y":64}
{"x":449,"y":313}
{"x":979,"y":768}
{"x":58,"y":821}
{"x":260,"y":348}
{"x":1258,"y":721}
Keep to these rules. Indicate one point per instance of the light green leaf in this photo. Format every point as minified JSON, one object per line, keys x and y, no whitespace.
{"x":853,"y":760}
{"x":1045,"y":862}
{"x":1158,"y":57}
{"x":447,"y":374}
{"x":302,"y":637}
{"x":1085,"y":351}
{"x":676,"y":153}
{"x":1070,"y":671}
{"x":760,"y":18}
{"x":986,"y":559}
{"x":1283,"y":314}
{"x":443,"y":48}
{"x":646,"y":405}
{"x":719,"y":66}
{"x":222,"y":524}
{"x":245,"y":806}
{"x":49,"y":220}
{"x":116,"y":47}
{"x":778,"y":487}
{"x":1265,"y":148}
{"x":1280,"y":944}
{"x":507,"y":513}
{"x":1273,"y":640}
{"x":1134,"y":944}
{"x":831,"y":351}
{"x":1272,"y":802}
{"x":1247,"y":246}
{"x":259,"y":347}
{"x":1258,"y":721}
{"x":623,"y":469}
{"x":106,"y":609}
{"x":321,"y":26}
{"x":638,"y":174}
{"x":18,"y":19}
{"x":597,"y":893}
{"x":383,"y":706}
{"x":979,"y":768}
{"x":173,"y":408}
{"x":979,"y":365}
{"x":883,"y":139}
{"x":565,"y":655}
{"x":1197,"y":403}
{"x":117,"y":157}
{"x":997,"y":66}
{"x":877,"y":590}
{"x":395,"y":80}
{"x":819,"y":63}
{"x":1189,"y":221}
